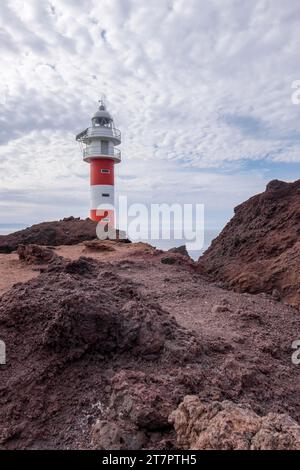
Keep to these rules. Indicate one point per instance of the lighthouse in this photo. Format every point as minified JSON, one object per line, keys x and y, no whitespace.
{"x":98,"y":144}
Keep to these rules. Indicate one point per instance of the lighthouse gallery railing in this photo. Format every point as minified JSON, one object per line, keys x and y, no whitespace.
{"x":88,"y":152}
{"x":99,"y":132}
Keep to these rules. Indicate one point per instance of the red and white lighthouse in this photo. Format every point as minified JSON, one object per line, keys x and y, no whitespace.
{"x":99,"y":149}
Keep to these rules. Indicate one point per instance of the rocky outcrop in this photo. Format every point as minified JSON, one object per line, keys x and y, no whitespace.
{"x":68,"y":333}
{"x":180,"y":249}
{"x":139,"y":406}
{"x":98,"y":245}
{"x":35,"y":254}
{"x":102,"y":346}
{"x":228,"y":426}
{"x":68,"y":231}
{"x":259,"y":249}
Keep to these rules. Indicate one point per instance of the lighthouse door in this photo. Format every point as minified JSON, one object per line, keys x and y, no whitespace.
{"x":104,"y":147}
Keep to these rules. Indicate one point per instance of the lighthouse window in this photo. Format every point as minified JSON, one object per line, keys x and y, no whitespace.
{"x":104,"y":170}
{"x":105,"y":194}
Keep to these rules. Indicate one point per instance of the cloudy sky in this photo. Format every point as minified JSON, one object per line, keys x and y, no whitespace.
{"x":201,"y":90}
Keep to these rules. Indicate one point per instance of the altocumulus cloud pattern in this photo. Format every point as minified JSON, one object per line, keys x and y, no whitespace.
{"x":201,"y":90}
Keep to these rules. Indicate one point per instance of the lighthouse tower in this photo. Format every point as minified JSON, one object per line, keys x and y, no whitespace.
{"x":98,"y":144}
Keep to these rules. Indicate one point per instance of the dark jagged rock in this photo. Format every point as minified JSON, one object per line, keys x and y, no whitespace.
{"x":68,"y":231}
{"x":34,"y":254}
{"x":259,"y":249}
{"x":169,"y":260}
{"x":181,"y":250}
{"x":98,"y":245}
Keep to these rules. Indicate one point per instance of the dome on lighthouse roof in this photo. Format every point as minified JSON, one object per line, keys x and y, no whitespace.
{"x":102,"y":112}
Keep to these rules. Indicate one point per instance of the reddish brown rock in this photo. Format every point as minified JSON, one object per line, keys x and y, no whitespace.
{"x":34,"y":254}
{"x":145,"y":404}
{"x":117,"y":435}
{"x":98,"y":245}
{"x":96,"y":359}
{"x":228,"y":426}
{"x":180,"y":249}
{"x":259,"y":249}
{"x":65,"y":331}
{"x":68,"y":231}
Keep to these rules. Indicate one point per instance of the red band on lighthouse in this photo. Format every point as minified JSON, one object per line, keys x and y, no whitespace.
{"x":102,"y":171}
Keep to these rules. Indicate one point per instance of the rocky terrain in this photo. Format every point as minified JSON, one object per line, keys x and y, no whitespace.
{"x":259,"y":249}
{"x":228,"y":426}
{"x":122,"y":346}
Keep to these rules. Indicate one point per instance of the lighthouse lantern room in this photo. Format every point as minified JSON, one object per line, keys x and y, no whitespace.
{"x":98,"y":144}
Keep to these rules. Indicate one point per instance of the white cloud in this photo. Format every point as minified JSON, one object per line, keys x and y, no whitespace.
{"x":193,"y":85}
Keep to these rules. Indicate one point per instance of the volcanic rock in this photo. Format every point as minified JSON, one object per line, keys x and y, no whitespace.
{"x":259,"y":249}
{"x":228,"y":426}
{"x":118,"y":435}
{"x":169,"y":260}
{"x":68,"y":231}
{"x":34,"y":254}
{"x":147,"y":405}
{"x":102,"y":348}
{"x":64,"y":331}
{"x":179,"y":249}
{"x":139,"y":408}
{"x":98,"y":245}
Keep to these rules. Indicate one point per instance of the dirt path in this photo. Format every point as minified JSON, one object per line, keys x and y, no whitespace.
{"x":12,"y":271}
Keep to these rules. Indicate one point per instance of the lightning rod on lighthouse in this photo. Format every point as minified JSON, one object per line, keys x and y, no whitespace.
{"x":98,"y":144}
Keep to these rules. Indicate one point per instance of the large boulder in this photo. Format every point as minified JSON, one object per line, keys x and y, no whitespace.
{"x":259,"y":249}
{"x":35,"y":254}
{"x":228,"y":426}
